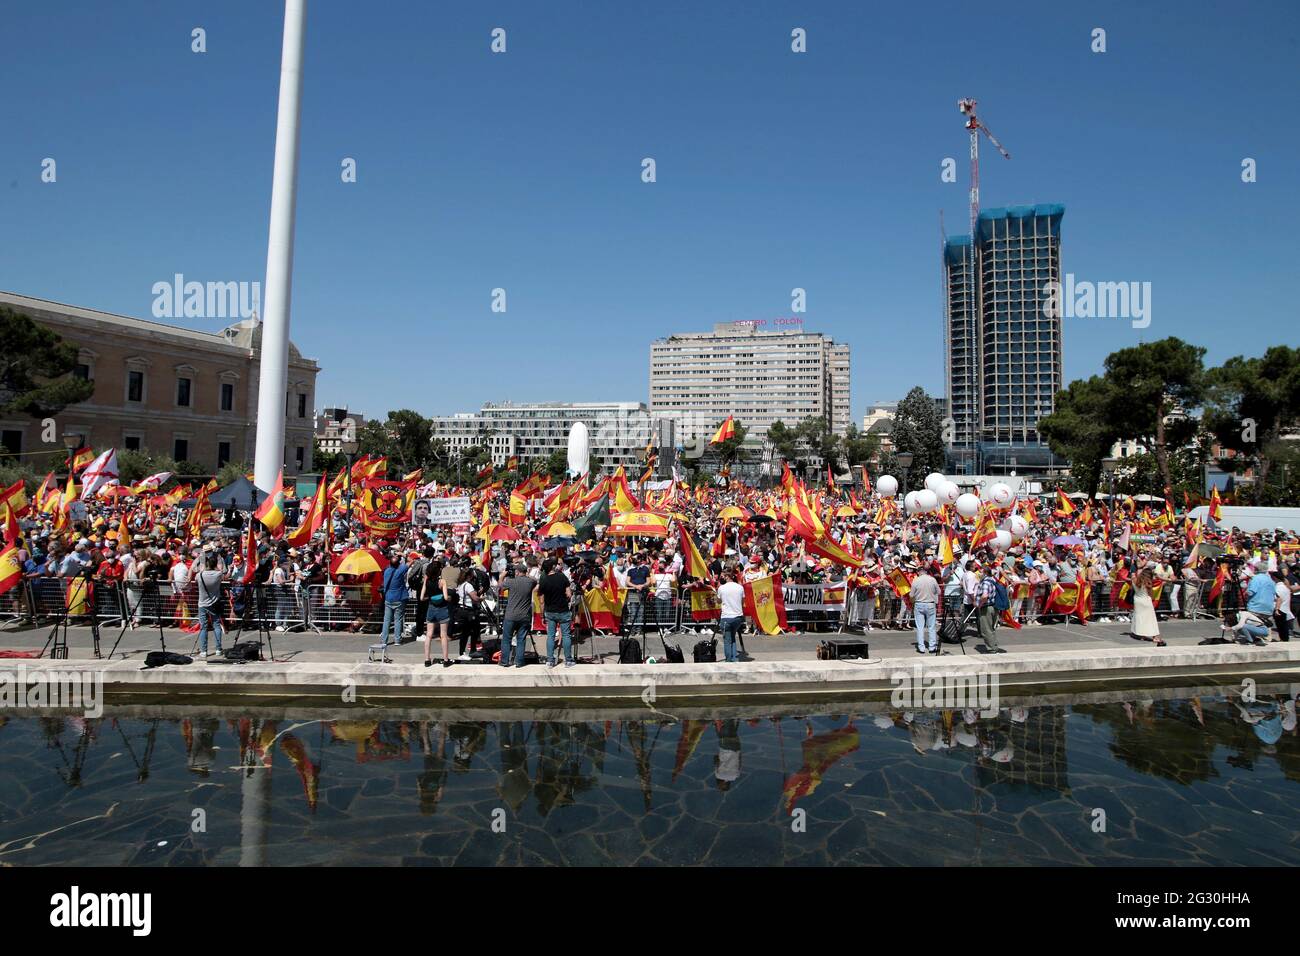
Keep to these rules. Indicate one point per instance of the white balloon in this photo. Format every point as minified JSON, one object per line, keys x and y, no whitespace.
{"x":1001,"y":495}
{"x":910,"y":502}
{"x":1019,"y":527}
{"x":968,"y":506}
{"x":1001,"y":540}
{"x":934,"y":481}
{"x":948,"y":493}
{"x":887,"y":485}
{"x":927,"y":500}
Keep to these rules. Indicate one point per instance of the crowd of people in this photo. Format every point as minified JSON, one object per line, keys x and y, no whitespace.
{"x":444,"y":582}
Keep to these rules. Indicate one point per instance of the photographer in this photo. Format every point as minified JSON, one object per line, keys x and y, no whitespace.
{"x":1246,"y":627}
{"x":466,"y":612}
{"x":209,"y":585}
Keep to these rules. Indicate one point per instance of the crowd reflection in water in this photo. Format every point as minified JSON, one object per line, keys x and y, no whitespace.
{"x":554,"y":762}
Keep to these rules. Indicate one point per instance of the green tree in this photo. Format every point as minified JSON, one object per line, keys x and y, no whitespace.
{"x":815,"y":434}
{"x":859,"y":448}
{"x":918,"y":429}
{"x":728,"y":451}
{"x":232,"y":471}
{"x":411,"y":439}
{"x":1081,"y":429}
{"x":36,"y":369}
{"x":1157,"y":385}
{"x":330,"y":462}
{"x":1252,"y":403}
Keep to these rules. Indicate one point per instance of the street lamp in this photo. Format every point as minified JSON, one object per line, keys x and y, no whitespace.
{"x":349,"y":447}
{"x":904,"y":460}
{"x":1109,"y":467}
{"x":72,"y":442}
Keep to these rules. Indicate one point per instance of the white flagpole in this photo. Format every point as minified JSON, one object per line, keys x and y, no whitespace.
{"x":274,"y":359}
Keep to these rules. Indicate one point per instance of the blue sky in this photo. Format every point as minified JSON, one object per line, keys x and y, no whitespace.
{"x":522,"y":171}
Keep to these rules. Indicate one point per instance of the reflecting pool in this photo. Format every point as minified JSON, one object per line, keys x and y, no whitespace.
{"x":1191,"y":775}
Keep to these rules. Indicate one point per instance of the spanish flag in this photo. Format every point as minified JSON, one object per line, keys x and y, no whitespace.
{"x":311,"y":521}
{"x":1216,"y":510}
{"x":623,"y":500}
{"x":946,"y":554}
{"x":609,"y":587}
{"x":765,"y":603}
{"x":15,"y":496}
{"x":271,"y":511}
{"x":725,"y":431}
{"x":720,"y":543}
{"x":705,"y":604}
{"x":82,"y":457}
{"x":512,"y":463}
{"x":693,"y":562}
{"x":986,"y":529}
{"x":898,"y":580}
{"x":825,"y":547}
{"x":11,"y":570}
{"x":9,"y":526}
{"x":1064,"y":507}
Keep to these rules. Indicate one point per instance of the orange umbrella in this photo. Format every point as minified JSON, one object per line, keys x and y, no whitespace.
{"x":358,"y":561}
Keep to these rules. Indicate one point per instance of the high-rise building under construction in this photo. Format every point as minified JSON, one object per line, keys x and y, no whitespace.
{"x":1002,"y":347}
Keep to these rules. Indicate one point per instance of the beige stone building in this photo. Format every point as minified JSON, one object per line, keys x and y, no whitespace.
{"x":160,"y":388}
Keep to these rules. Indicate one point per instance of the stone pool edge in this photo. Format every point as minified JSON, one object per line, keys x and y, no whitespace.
{"x":596,"y":683}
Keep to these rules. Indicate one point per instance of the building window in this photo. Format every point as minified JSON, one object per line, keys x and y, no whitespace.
{"x":300,"y":456}
{"x":82,"y":371}
{"x":302,"y":405}
{"x":181,"y":449}
{"x":227,"y":396}
{"x":11,"y":442}
{"x":131,"y":442}
{"x":183,"y":392}
{"x":134,"y":386}
{"x":223,"y":453}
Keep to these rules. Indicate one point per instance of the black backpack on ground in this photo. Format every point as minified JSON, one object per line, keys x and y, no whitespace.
{"x":629,"y":651}
{"x":243,"y":651}
{"x":672,"y":653}
{"x":159,"y":658}
{"x":491,"y":645}
{"x":706,"y":652}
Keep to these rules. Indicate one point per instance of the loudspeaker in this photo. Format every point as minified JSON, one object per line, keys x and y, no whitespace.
{"x":840,"y":649}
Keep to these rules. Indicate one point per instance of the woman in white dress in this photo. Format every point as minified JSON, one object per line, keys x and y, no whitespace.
{"x":1145,"y":626}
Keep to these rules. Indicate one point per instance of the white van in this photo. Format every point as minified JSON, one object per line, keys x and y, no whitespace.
{"x":1251,"y":520}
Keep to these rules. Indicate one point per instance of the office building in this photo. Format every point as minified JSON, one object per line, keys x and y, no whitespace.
{"x":1002,"y":348}
{"x":756,"y":373}
{"x":618,"y":431}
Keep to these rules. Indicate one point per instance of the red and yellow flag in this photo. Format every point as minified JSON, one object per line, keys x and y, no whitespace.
{"x":726,"y":430}
{"x":311,"y":519}
{"x":271,"y":511}
{"x":765,"y":603}
{"x":82,"y":457}
{"x":11,"y":570}
{"x":693,"y":562}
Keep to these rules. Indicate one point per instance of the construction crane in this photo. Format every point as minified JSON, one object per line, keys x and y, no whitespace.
{"x":974,"y":332}
{"x":967,"y":107}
